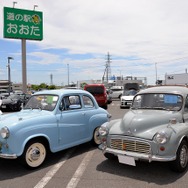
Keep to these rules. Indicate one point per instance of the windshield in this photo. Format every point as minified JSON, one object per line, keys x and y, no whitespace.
{"x":43,"y":102}
{"x":95,"y":90}
{"x":13,"y":96}
{"x":158,"y":101}
{"x":129,"y":92}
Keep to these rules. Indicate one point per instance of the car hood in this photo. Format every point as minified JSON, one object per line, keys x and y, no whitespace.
{"x":23,"y":115}
{"x":143,"y":123}
{"x":7,"y":101}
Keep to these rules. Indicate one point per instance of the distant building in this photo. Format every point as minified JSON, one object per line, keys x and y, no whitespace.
{"x":116,"y":81}
{"x":176,"y":79}
{"x":83,"y":82}
{"x":4,"y":84}
{"x":17,"y":87}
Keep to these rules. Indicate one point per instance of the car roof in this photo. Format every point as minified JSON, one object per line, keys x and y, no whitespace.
{"x":62,"y":92}
{"x":182,"y":90}
{"x":117,"y":87}
{"x":93,"y":85}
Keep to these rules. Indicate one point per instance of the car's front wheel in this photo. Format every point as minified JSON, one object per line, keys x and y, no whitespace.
{"x":181,"y":162}
{"x":34,"y":154}
{"x":96,"y":138}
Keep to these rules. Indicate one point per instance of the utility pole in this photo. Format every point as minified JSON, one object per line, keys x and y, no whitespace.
{"x":51,"y":79}
{"x":107,"y":71}
{"x":156,"y":72}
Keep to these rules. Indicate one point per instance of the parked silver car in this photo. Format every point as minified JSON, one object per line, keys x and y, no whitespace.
{"x":116,"y":91}
{"x":154,"y":129}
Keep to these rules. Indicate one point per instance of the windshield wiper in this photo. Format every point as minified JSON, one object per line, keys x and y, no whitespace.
{"x":159,"y":108}
{"x":149,"y":107}
{"x":144,"y":107}
{"x":36,"y":107}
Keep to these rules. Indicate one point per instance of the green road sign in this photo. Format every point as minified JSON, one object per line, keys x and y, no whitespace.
{"x":23,"y":24}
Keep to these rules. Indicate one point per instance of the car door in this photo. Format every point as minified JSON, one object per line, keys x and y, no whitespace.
{"x":185,"y":113}
{"x":72,"y":124}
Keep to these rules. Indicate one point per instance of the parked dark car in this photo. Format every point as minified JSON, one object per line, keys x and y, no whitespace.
{"x":4,"y":95}
{"x":12,"y":102}
{"x":24,"y":98}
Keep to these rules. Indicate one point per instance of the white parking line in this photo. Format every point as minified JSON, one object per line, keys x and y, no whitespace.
{"x":80,"y":170}
{"x":53,"y":170}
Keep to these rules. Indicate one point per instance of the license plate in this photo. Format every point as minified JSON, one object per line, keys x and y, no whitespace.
{"x":126,"y":160}
{"x":3,"y":106}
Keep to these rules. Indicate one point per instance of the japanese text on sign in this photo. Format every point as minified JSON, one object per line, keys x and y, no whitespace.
{"x":20,"y":23}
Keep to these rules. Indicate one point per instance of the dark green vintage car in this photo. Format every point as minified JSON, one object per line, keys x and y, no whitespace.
{"x":154,"y":129}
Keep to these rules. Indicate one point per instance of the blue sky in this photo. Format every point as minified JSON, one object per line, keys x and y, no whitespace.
{"x":138,"y":34}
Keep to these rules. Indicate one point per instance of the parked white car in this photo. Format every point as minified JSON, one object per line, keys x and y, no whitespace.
{"x":127,"y":98}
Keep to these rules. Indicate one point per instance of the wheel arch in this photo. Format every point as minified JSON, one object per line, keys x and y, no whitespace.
{"x":181,"y":161}
{"x":41,"y":138}
{"x":96,"y":121}
{"x":180,"y":141}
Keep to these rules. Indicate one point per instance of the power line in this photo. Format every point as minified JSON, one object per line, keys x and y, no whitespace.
{"x":186,"y":57}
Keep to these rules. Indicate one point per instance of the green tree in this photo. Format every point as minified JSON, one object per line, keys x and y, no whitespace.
{"x":52,"y":87}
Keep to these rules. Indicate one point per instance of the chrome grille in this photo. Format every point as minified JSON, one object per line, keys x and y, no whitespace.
{"x":130,"y":145}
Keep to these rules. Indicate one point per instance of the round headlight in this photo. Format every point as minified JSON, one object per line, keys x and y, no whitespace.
{"x":103,"y":130}
{"x":161,"y":137}
{"x":4,"y":132}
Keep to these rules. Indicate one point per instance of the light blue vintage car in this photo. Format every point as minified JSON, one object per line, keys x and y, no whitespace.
{"x":154,"y":129}
{"x":52,"y":120}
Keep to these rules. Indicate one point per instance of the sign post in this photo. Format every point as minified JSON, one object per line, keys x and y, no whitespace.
{"x":23,"y":24}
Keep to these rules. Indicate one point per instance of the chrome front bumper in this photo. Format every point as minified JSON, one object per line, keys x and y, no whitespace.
{"x":8,"y":156}
{"x":125,"y":104}
{"x":138,"y":156}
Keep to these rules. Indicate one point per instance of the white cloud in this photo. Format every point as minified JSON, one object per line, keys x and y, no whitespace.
{"x":150,"y":30}
{"x":43,"y":58}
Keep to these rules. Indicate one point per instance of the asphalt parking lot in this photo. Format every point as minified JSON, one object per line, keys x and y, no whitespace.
{"x":84,"y":166}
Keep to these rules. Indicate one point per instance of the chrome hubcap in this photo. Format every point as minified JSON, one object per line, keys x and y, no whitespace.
{"x":35,"y":154}
{"x":183,"y":156}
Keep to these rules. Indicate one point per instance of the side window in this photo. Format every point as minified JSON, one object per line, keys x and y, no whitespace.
{"x":186,"y":105}
{"x":88,"y":103}
{"x":71,"y":102}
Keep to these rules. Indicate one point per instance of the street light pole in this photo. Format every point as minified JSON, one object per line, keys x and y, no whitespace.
{"x":156,"y":72}
{"x":9,"y":76}
{"x":68,"y":73}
